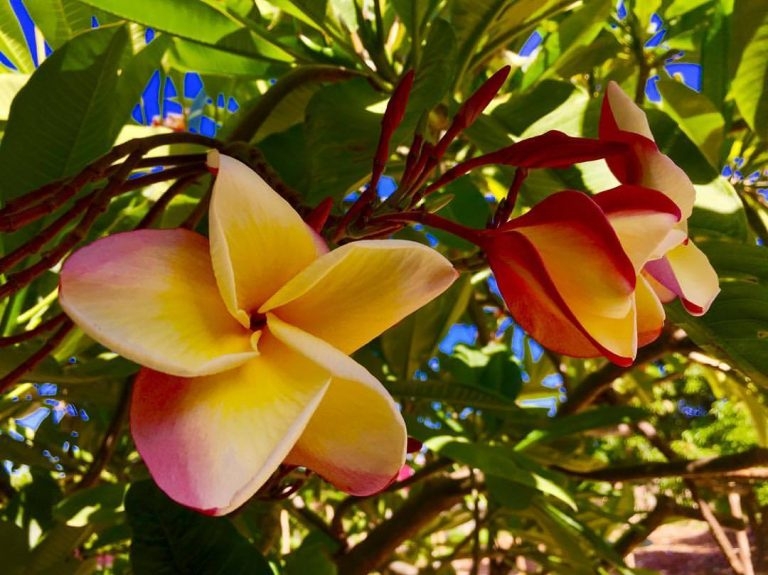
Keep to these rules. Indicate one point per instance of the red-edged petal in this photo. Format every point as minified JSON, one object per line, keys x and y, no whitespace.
{"x":211,"y":442}
{"x":258,"y":241}
{"x":356,"y":438}
{"x":644,"y":221}
{"x":150,"y":296}
{"x":566,"y":278}
{"x":686,"y":271}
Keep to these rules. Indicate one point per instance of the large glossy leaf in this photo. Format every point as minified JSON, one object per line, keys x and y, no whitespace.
{"x":65,"y":116}
{"x":735,"y":329}
{"x":200,"y":21}
{"x":410,"y":343}
{"x":593,"y":419}
{"x":719,"y":212}
{"x":169,"y":539}
{"x":12,"y":42}
{"x":750,"y":84}
{"x":485,"y":26}
{"x":500,"y":461}
{"x":697,"y":116}
{"x":60,"y":20}
{"x":341,"y":136}
{"x":572,"y":48}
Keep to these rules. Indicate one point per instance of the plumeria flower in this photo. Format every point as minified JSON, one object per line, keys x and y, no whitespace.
{"x":586,"y":276}
{"x":682,"y":270}
{"x":569,"y":277}
{"x":245,"y":340}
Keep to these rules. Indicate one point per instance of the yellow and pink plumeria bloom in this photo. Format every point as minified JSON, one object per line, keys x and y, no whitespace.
{"x":586,"y":275}
{"x":245,"y":339}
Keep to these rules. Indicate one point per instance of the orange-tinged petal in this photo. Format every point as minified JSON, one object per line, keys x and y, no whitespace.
{"x":562,"y":260}
{"x":686,"y":271}
{"x":150,"y":296}
{"x":357,"y":438}
{"x":644,"y":221}
{"x":211,"y":442}
{"x":258,"y":241}
{"x":621,"y":113}
{"x":352,"y":294}
{"x":661,"y":173}
{"x":622,"y":120}
{"x":650,"y":312}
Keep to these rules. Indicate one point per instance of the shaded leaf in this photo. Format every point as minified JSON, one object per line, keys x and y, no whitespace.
{"x":697,"y":116}
{"x":171,"y":539}
{"x":409,"y":344}
{"x":64,"y":117}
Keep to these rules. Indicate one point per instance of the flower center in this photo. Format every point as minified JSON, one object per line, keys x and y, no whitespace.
{"x":258,"y":321}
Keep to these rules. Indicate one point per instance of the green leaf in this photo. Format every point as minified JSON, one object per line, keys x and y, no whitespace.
{"x":12,"y":41}
{"x":735,"y":329}
{"x":15,"y":547}
{"x":200,"y":21}
{"x":171,"y":539}
{"x":750,"y":84}
{"x":56,"y":550}
{"x":719,"y":212}
{"x":90,"y":506}
{"x":573,"y":43}
{"x":485,"y":26}
{"x":678,"y":146}
{"x":10,"y":85}
{"x":60,"y":20}
{"x":573,"y":424}
{"x":697,"y":116}
{"x":66,"y":114}
{"x":189,"y":55}
{"x":341,"y":135}
{"x":314,"y":555}
{"x":500,"y":461}
{"x":433,"y":77}
{"x":410,"y":343}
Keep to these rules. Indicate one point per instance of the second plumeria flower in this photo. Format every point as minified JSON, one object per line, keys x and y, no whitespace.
{"x":245,"y":339}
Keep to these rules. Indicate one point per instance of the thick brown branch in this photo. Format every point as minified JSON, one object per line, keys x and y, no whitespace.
{"x":752,"y":464}
{"x":418,"y":511}
{"x":598,"y":381}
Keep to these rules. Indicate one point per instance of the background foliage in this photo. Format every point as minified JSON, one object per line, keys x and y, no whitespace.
{"x":531,"y":462}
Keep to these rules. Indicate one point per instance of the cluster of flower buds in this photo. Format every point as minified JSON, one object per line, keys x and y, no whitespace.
{"x":585,"y":274}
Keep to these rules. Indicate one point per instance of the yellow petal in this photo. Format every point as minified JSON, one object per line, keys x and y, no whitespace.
{"x":211,"y":442}
{"x":352,"y":294}
{"x":650,"y":312}
{"x":645,"y":220}
{"x":258,"y":241}
{"x":659,"y":172}
{"x":357,"y":438}
{"x":686,"y":271}
{"x":150,"y":296}
{"x":627,"y":115}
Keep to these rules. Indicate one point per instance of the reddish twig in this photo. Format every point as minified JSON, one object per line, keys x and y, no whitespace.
{"x":28,"y":364}
{"x":47,"y":325}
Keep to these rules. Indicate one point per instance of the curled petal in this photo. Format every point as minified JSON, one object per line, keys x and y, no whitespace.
{"x":133,"y":293}
{"x":661,"y":173}
{"x":352,"y":294}
{"x":258,"y":241}
{"x":621,"y":114}
{"x":566,"y":279}
{"x":356,"y":438}
{"x":644,"y":221}
{"x":211,"y":442}
{"x":686,"y":272}
{"x":621,"y":120}
{"x":650,"y":312}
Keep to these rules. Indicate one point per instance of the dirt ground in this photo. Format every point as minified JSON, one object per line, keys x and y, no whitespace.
{"x":683,"y":548}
